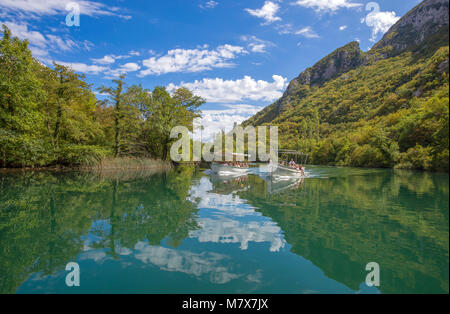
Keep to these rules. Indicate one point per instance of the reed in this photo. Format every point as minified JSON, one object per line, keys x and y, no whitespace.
{"x":130,"y":163}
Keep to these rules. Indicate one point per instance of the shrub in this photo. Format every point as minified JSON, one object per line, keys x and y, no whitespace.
{"x":81,"y":155}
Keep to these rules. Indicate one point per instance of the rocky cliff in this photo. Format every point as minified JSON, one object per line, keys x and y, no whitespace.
{"x":425,"y":26}
{"x":423,"y":29}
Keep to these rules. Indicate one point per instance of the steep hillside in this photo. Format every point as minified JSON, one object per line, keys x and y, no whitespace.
{"x":384,"y":108}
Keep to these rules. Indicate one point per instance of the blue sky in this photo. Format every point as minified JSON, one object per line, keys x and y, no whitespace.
{"x":239,"y":55}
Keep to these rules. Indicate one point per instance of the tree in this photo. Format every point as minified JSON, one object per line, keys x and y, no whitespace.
{"x":170,"y":111}
{"x":116,"y":99}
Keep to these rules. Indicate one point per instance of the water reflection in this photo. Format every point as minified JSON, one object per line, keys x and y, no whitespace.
{"x":187,"y":231}
{"x":226,"y":218}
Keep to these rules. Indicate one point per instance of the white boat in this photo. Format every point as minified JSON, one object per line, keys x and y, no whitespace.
{"x":280,"y":170}
{"x":283,"y":170}
{"x":226,"y":169}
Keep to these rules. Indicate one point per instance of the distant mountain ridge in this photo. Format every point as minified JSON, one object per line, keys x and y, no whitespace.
{"x":427,"y":19}
{"x":349,"y":88}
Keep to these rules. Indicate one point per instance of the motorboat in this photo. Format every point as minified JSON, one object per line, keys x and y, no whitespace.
{"x":277,"y":169}
{"x":220,"y":168}
{"x":288,"y":171}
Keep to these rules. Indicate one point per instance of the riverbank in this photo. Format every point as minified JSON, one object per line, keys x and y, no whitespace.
{"x":107,"y":164}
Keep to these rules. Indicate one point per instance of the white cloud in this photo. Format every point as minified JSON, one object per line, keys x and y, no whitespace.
{"x":123,"y":69}
{"x":62,"y":44}
{"x":58,"y":7}
{"x":134,"y":53}
{"x":209,"y":5}
{"x":268,"y":12}
{"x":109,"y":59}
{"x":307,"y":32}
{"x":222,"y":91}
{"x":83,"y":68}
{"x":256,"y":45}
{"x":214,"y":121}
{"x":41,"y":44}
{"x":35,"y":38}
{"x":343,"y":27}
{"x":191,"y":60}
{"x":324,"y":6}
{"x":380,"y":22}
{"x":130,"y":67}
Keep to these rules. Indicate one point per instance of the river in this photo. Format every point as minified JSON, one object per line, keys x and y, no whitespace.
{"x":189,"y":231}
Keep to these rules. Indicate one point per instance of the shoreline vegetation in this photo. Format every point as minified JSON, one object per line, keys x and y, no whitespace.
{"x":386,"y":112}
{"x":50,"y":117}
{"x":105,"y":165}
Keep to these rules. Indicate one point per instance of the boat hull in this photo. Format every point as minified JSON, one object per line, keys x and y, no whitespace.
{"x":219,"y":168}
{"x":278,"y":170}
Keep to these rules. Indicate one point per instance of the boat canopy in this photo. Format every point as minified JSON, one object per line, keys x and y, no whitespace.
{"x":299,"y":157}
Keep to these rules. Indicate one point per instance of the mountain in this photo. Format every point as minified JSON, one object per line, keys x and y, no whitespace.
{"x":425,"y":25}
{"x":387,"y":107}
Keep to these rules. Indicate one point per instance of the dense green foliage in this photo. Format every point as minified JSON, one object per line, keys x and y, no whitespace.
{"x":391,"y":112}
{"x":51,"y":116}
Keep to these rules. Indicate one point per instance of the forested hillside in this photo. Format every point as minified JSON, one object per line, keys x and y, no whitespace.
{"x":388,"y":107}
{"x":52,"y":116}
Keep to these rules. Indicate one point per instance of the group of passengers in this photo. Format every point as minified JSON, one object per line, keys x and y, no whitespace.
{"x":292,"y":164}
{"x":237,"y":164}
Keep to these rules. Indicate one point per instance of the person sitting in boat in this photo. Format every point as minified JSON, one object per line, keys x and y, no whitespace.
{"x":300,"y":167}
{"x":292,"y":163}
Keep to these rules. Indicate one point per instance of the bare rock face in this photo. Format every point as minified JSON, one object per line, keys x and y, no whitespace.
{"x":416,"y":28}
{"x":332,"y":66}
{"x":338,"y":62}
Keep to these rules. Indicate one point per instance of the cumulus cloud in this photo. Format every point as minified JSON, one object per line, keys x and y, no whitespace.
{"x":327,"y":6}
{"x":58,"y":7}
{"x":219,"y":90}
{"x":213,"y":121}
{"x":109,"y":59}
{"x":84,"y":68}
{"x":256,"y":45}
{"x":268,"y":12}
{"x":307,"y":32}
{"x":123,"y":69}
{"x":191,"y":60}
{"x":380,"y":22}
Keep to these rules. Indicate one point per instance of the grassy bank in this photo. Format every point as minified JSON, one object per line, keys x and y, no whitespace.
{"x":108,"y":164}
{"x":130,"y":163}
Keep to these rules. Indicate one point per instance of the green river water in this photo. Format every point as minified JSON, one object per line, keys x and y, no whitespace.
{"x":189,"y":231}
